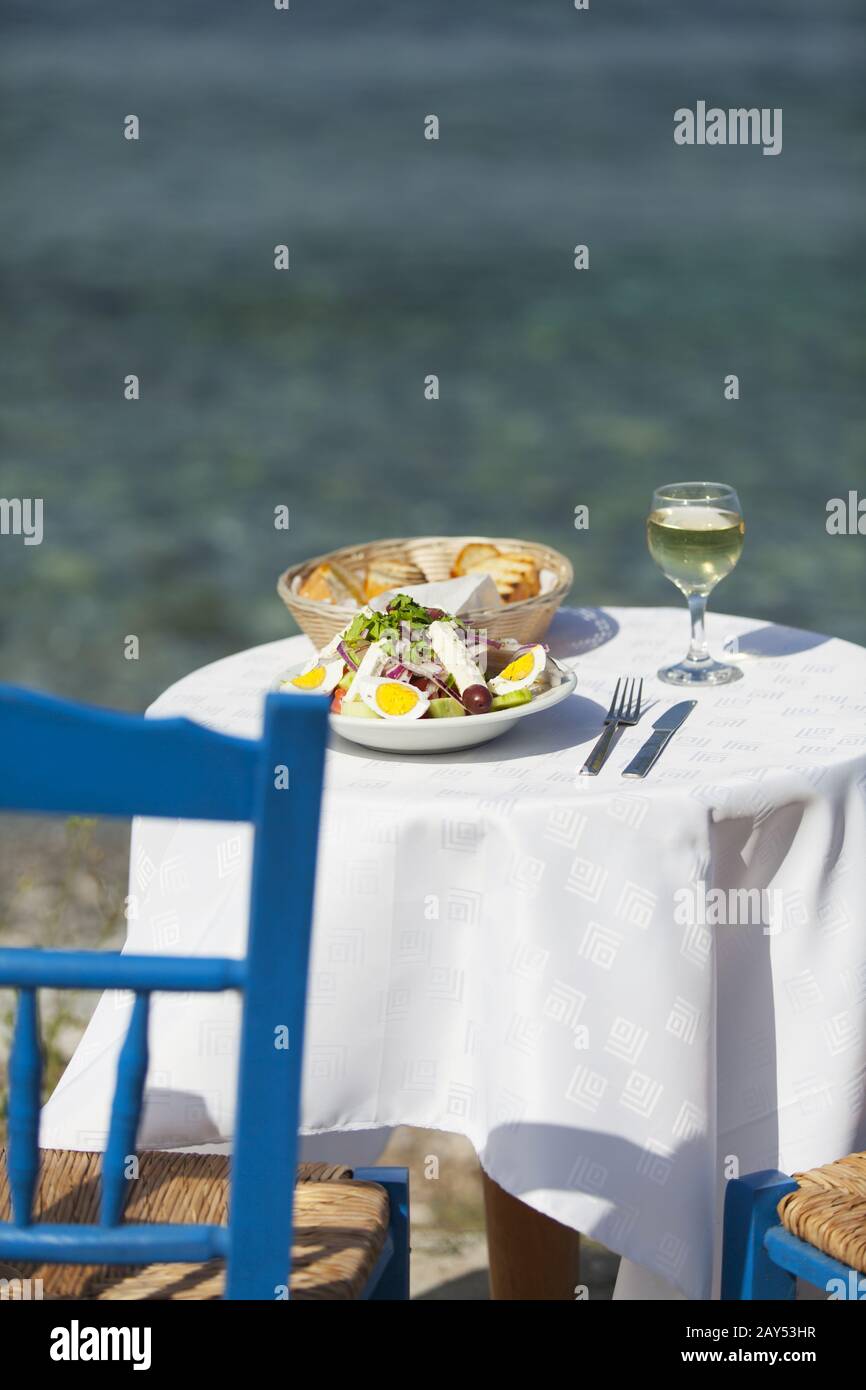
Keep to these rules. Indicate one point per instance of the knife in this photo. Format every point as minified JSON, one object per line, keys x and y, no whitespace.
{"x":664,"y":729}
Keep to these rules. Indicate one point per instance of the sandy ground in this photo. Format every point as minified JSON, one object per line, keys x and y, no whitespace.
{"x":449,"y":1250}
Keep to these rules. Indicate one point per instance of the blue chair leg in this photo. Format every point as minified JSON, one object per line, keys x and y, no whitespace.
{"x":393,"y":1282}
{"x":748,"y":1273}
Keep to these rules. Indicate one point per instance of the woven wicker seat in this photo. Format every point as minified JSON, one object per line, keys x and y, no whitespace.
{"x":340,"y":1226}
{"x":828,"y":1209}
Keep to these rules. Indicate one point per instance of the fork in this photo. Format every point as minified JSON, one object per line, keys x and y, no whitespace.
{"x":624,"y":709}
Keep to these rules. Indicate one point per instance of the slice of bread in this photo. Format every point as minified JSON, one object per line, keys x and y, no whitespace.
{"x":515,"y":576}
{"x":471,"y":557}
{"x":315,"y":585}
{"x":383,"y":575}
{"x":331,"y":583}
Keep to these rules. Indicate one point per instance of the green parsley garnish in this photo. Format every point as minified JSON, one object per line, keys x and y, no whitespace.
{"x":358,"y":628}
{"x":400,"y":610}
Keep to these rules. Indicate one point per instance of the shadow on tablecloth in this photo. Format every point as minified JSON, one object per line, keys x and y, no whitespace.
{"x":576,"y":631}
{"x":574,"y":722}
{"x":774,"y":640}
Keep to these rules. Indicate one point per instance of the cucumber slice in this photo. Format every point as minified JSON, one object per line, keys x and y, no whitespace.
{"x":509,"y":700}
{"x":445,"y":708}
{"x":356,"y":709}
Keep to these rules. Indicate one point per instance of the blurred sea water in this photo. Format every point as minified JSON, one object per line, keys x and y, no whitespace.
{"x":411,"y":257}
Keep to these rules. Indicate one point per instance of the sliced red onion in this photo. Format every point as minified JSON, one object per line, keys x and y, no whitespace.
{"x":343,"y":651}
{"x":446,"y":690}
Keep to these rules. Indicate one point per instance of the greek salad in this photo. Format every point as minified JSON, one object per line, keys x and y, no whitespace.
{"x":411,"y":662}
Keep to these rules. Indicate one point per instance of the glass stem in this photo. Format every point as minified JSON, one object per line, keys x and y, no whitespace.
{"x":698,"y":650}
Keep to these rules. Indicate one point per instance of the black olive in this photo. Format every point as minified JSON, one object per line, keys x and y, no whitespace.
{"x":477,"y":699}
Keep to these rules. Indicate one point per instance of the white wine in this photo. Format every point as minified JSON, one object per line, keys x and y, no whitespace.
{"x":695,"y":535}
{"x":695,"y":546}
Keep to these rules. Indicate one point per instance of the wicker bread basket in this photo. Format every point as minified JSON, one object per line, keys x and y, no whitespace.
{"x":527,"y":619}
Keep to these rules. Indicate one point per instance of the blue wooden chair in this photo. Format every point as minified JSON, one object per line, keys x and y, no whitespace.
{"x":811,"y":1226}
{"x":235,"y":1231}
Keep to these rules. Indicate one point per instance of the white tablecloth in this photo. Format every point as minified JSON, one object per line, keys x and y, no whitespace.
{"x":512,"y":952}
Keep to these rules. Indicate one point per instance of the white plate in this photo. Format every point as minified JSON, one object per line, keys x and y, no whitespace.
{"x":436,"y":735}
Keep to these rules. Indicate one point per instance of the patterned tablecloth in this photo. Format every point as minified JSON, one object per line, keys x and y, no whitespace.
{"x":566,"y":970}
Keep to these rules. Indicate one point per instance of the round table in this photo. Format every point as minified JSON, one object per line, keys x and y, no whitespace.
{"x":622,"y":992}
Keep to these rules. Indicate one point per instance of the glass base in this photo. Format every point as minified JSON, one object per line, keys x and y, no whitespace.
{"x":707,"y":672}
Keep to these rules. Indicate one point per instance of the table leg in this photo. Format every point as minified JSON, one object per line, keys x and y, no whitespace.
{"x":530,"y":1256}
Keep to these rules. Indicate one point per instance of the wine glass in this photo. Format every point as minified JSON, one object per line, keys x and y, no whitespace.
{"x":695,"y":535}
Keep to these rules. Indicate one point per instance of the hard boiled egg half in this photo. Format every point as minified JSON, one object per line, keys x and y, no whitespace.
{"x":394,"y":699}
{"x":318,"y":676}
{"x":523,"y":671}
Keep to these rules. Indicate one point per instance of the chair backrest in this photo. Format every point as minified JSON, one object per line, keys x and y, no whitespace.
{"x":59,"y":757}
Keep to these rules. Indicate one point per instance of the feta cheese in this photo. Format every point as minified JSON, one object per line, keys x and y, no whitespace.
{"x":371,"y":664}
{"x":452,"y":653}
